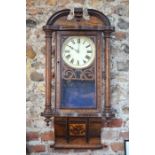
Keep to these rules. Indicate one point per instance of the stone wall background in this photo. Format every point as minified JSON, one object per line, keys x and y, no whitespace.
{"x":39,"y":136}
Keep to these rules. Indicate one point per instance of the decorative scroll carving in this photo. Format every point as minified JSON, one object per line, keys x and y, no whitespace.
{"x":88,"y":74}
{"x":68,"y":73}
{"x":77,"y":129}
{"x":74,"y":74}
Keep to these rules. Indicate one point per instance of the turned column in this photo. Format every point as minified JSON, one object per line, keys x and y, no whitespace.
{"x":107,"y":106}
{"x":48,"y":77}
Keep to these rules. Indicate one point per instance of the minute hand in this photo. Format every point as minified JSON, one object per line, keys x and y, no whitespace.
{"x":78,"y":51}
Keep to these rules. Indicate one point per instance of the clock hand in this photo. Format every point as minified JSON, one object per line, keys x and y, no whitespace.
{"x":73,"y":48}
{"x":78,"y":45}
{"x":70,"y":47}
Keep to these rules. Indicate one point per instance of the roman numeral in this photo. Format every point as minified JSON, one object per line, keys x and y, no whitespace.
{"x":78,"y":40}
{"x":72,"y":60}
{"x":84,"y":61}
{"x":89,"y":51}
{"x":78,"y":62}
{"x":87,"y":56}
{"x":73,"y":41}
{"x":88,"y":46}
{"x":84,"y":42}
{"x":68,"y":56}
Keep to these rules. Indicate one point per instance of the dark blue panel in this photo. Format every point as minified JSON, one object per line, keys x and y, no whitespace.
{"x":78,"y":94}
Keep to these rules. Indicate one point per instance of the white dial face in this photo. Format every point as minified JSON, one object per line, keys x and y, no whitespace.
{"x":78,"y":51}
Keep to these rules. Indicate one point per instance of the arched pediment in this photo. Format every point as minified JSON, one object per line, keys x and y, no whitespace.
{"x":59,"y":21}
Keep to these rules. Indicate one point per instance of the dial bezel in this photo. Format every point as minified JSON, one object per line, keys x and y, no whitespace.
{"x":85,"y":65}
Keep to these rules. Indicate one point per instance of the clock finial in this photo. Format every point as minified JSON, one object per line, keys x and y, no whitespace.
{"x":78,"y":14}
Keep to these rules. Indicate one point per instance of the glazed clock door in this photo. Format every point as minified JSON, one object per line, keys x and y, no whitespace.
{"x":77,"y":70}
{"x":78,"y":52}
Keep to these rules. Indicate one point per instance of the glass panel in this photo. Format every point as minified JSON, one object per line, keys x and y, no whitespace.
{"x":78,"y":94}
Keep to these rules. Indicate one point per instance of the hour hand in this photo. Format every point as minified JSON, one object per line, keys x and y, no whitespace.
{"x":70,"y":47}
{"x":73,"y":48}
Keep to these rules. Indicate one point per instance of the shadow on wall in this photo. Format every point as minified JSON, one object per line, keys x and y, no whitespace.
{"x":27,"y":151}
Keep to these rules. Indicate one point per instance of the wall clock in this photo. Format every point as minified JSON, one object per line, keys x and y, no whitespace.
{"x":81,"y":49}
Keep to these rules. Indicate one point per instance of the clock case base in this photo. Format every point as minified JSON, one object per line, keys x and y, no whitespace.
{"x":78,"y":132}
{"x":78,"y":144}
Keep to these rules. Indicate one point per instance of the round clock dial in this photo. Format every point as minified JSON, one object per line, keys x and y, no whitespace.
{"x":78,"y":51}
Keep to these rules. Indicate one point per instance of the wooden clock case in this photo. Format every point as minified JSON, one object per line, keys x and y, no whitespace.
{"x":77,"y":127}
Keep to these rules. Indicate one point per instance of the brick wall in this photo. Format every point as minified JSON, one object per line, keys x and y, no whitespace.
{"x":39,"y":136}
